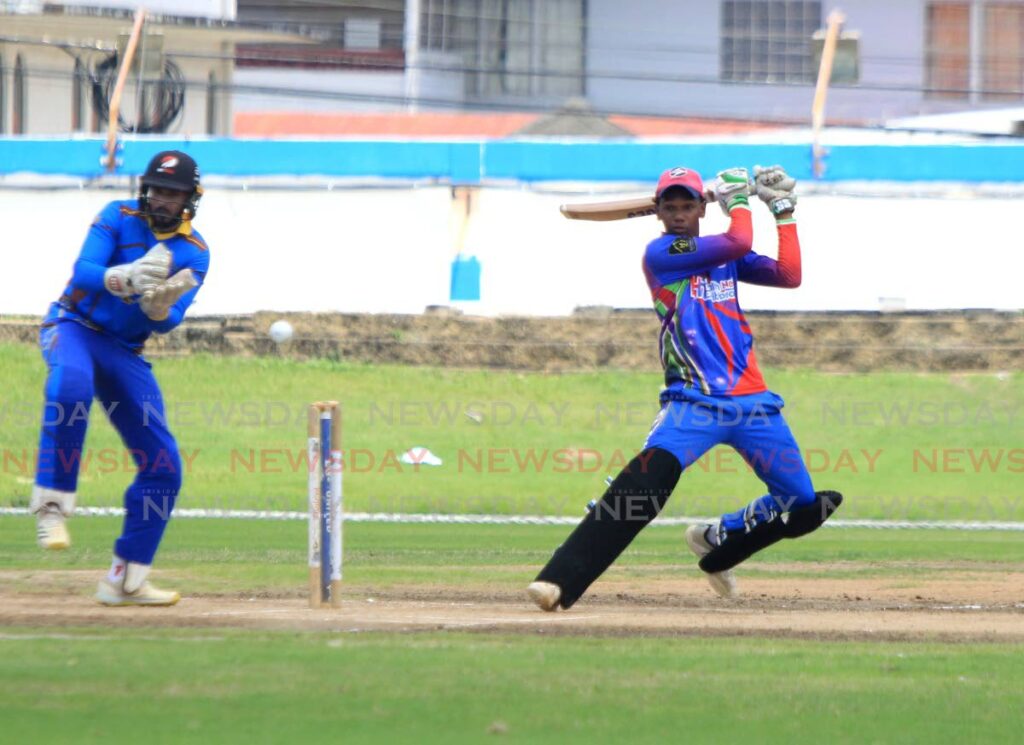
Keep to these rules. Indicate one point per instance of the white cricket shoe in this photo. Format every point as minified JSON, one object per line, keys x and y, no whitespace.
{"x":51,"y":530}
{"x":723,"y":583}
{"x":108,"y":593}
{"x":51,"y":508}
{"x":545,"y":594}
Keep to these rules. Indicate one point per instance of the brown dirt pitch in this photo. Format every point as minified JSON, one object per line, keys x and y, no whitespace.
{"x":952,"y":603}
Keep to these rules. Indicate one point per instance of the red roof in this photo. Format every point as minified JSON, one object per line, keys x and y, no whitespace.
{"x":647,"y":126}
{"x":455,"y":124}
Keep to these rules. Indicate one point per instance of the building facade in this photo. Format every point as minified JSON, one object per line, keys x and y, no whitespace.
{"x":740,"y":59}
{"x":58,"y":65}
{"x":751,"y":59}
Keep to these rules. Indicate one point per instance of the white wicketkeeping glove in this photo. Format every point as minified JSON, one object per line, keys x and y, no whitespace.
{"x":143,"y":274}
{"x":732,"y":187}
{"x":156,"y":303}
{"x":775,"y":188}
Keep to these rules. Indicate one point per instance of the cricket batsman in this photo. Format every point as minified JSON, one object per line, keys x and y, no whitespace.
{"x":139,"y":270}
{"x":714,"y":392}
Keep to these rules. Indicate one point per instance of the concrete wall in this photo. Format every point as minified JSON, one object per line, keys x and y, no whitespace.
{"x":377,"y":250}
{"x":351,"y":90}
{"x":284,"y":90}
{"x":49,"y":75}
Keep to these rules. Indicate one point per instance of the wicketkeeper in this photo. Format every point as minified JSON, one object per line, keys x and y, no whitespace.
{"x":714,"y":392}
{"x":139,"y":270}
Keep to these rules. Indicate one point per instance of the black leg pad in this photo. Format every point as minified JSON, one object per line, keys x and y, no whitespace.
{"x":813,"y":516}
{"x":635,"y":497}
{"x":738,"y":547}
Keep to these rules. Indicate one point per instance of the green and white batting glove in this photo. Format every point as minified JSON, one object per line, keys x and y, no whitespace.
{"x":732,"y":187}
{"x":143,"y":274}
{"x":156,"y":303}
{"x":775,"y":188}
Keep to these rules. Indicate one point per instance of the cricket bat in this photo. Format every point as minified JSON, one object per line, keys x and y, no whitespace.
{"x":616,"y":210}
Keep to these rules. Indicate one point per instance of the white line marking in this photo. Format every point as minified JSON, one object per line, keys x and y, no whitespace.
{"x":412,"y":518}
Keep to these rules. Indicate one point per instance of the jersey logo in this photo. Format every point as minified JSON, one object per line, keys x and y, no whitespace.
{"x":683,"y":246}
{"x":711,"y":290}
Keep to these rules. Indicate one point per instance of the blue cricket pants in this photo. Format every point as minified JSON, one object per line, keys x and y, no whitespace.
{"x":755,"y":428}
{"x":85,"y":364}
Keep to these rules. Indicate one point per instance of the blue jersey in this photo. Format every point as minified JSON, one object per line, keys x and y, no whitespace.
{"x":120,"y":234}
{"x":706,"y":344}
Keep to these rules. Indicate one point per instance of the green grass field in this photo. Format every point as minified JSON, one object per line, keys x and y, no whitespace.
{"x":60,"y":683}
{"x":901,"y":446}
{"x":241,"y":423}
{"x":247,"y":556}
{"x":227,"y":687}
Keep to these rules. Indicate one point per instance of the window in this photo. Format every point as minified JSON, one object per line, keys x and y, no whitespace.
{"x":1002,"y":70}
{"x":948,"y":50}
{"x":508,"y":47}
{"x":766,"y":41}
{"x":18,"y":110}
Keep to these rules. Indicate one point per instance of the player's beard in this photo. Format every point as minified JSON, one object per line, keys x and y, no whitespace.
{"x":163,"y":221}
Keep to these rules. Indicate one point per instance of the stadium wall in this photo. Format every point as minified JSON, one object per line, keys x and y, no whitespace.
{"x":373,"y":250}
{"x":330,"y":242}
{"x":477,"y":161}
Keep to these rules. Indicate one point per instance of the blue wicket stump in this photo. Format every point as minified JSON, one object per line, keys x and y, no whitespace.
{"x":323,"y":452}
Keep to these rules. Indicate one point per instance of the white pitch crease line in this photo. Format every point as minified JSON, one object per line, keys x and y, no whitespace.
{"x":455,"y":519}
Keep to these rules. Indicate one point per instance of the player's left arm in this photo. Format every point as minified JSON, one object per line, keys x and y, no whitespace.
{"x":786,"y":271}
{"x":166,"y":306}
{"x":776,"y":189}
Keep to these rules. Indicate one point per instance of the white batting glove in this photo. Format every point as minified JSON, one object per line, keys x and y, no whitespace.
{"x":156,"y":302}
{"x":731,"y":188}
{"x":775,"y":188}
{"x":143,"y":274}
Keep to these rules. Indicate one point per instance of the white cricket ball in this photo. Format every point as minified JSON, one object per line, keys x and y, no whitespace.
{"x":281,"y":331}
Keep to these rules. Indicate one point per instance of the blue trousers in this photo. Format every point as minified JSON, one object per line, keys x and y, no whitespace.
{"x":84,"y":364}
{"x":755,"y":428}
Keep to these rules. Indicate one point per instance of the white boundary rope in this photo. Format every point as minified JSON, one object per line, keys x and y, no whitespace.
{"x":413,"y":518}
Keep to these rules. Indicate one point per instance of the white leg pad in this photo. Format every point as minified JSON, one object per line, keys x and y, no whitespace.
{"x":42,"y":496}
{"x":134,"y":576}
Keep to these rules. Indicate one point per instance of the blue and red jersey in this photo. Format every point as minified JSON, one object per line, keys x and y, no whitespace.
{"x":120,"y":234}
{"x":706,"y":344}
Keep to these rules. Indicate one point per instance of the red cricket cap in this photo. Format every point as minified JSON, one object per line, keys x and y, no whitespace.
{"x":679,"y":176}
